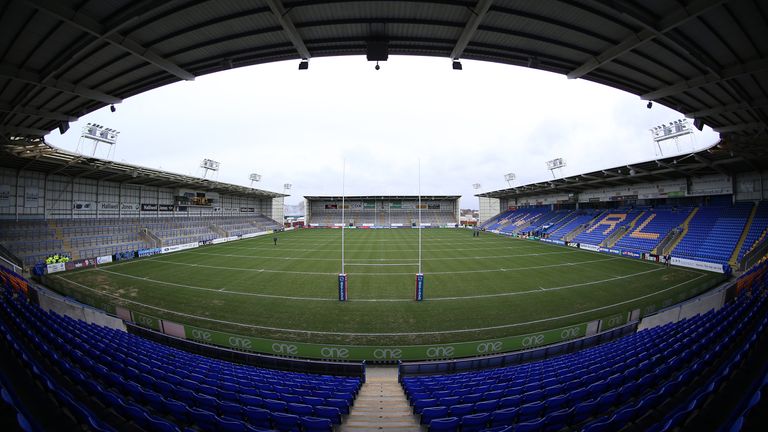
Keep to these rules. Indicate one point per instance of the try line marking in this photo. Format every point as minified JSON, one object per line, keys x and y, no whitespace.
{"x":384,"y":334}
{"x":508,"y":294}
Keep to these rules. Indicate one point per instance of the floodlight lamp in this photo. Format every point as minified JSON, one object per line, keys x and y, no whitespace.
{"x":287,"y":186}
{"x":476,"y":186}
{"x":304,"y":65}
{"x":649,"y":105}
{"x":255,"y":177}
{"x":457,"y":65}
{"x":112,"y":108}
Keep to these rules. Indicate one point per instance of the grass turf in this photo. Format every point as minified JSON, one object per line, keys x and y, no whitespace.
{"x":475,"y":288}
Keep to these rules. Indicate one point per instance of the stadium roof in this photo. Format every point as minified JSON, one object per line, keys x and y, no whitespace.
{"x":383,"y":197}
{"x":61,"y":59}
{"x":38,"y":156}
{"x":721,"y":158}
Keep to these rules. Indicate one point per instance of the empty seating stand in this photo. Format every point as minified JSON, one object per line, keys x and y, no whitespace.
{"x":652,"y":228}
{"x":713,"y":233}
{"x":112,"y":380}
{"x":603,"y":388}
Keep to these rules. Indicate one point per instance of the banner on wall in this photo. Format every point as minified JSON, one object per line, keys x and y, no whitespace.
{"x":31,"y":196}
{"x":109,"y":206}
{"x":247,"y":210}
{"x":5,"y":195}
{"x":157,"y":207}
{"x":129,"y":207}
{"x":83,"y":205}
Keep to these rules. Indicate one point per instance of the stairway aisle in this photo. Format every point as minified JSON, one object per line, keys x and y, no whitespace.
{"x":381,"y":405}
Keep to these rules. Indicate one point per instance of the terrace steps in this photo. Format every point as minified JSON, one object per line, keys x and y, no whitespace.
{"x":671,"y":247}
{"x":734,"y":261}
{"x":381,"y":405}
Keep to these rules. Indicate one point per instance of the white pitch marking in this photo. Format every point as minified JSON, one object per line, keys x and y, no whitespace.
{"x":383,"y":334}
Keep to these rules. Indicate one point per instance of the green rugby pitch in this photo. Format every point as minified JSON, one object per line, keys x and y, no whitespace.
{"x":475,"y":288}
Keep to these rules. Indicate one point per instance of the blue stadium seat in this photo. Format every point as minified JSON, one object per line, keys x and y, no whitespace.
{"x":449,"y":424}
{"x":532,"y":426}
{"x":331,"y":413}
{"x":475,"y":422}
{"x":431,"y":413}
{"x":258,"y":417}
{"x":286,"y":422}
{"x":504,"y":417}
{"x":315,"y":424}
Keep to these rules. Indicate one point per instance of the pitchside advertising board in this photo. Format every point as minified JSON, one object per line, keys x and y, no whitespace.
{"x":368,"y":352}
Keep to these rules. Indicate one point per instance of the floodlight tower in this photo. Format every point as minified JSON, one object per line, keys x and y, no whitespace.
{"x":287,"y":187}
{"x":509,"y":178}
{"x":557,"y":163}
{"x":209,"y":165}
{"x":674,"y":130}
{"x":95,"y":133}
{"x":254,"y":178}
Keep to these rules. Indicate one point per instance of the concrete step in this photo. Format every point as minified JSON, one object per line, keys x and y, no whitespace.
{"x":381,"y":405}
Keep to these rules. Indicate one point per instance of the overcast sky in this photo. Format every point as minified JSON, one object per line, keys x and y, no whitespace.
{"x":466,"y":127}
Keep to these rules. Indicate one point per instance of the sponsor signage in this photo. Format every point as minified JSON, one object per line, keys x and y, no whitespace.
{"x":419,"y":287}
{"x":631,"y":254}
{"x":176,"y":248}
{"x":109,"y":206}
{"x":701,"y":265}
{"x":55,"y":268}
{"x":342,"y":287}
{"x":149,"y":252}
{"x":83,"y":205}
{"x":79,"y":264}
{"x":247,"y":210}
{"x":256,"y":234}
{"x":378,"y":353}
{"x":224,"y":239}
{"x":104,"y":259}
{"x":157,"y":207}
{"x":129,"y":206}
{"x":589,"y":247}
{"x":122,"y":256}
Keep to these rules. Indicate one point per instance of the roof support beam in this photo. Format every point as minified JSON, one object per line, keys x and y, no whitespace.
{"x":13,"y":130}
{"x":729,"y":72}
{"x":671,"y":167}
{"x":708,"y":163}
{"x":4,"y":107}
{"x":740,"y":127}
{"x":672,"y":20}
{"x":478,"y":13}
{"x":760,"y":103}
{"x":12,"y":72}
{"x":89,"y":25}
{"x":281,"y":14}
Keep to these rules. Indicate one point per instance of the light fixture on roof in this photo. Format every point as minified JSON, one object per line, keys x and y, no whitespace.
{"x":112,"y":108}
{"x":209,"y":165}
{"x":457,"y":65}
{"x":254,"y":178}
{"x":95,"y":134}
{"x":509,"y":178}
{"x":304,"y":65}
{"x":649,"y":105}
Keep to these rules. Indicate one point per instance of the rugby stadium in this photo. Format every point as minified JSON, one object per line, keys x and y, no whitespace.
{"x":629,"y":298}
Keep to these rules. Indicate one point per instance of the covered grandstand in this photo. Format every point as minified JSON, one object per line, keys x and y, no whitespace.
{"x":391,"y":211}
{"x":706,"y":59}
{"x":62,"y":203}
{"x":705,"y":206}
